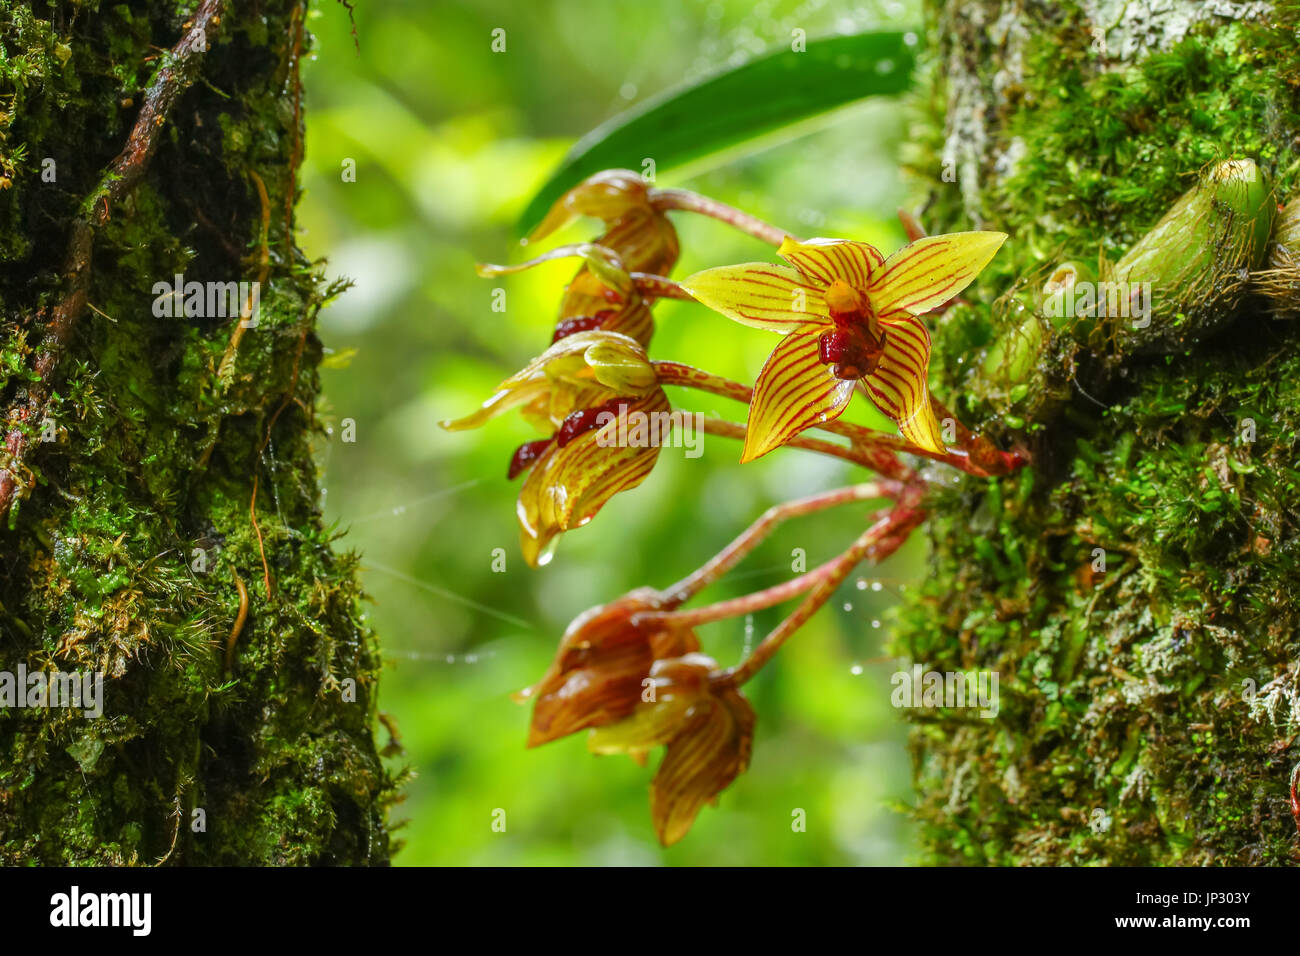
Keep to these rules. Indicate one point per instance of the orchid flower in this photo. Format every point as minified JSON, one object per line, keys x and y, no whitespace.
{"x":575,"y":393}
{"x":637,"y":686}
{"x":848,"y":315}
{"x":601,"y":667}
{"x":630,"y":672}
{"x":639,"y":235}
{"x":707,"y":727}
{"x":603,"y":295}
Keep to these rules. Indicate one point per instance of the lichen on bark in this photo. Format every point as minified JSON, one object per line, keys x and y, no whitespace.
{"x":135,"y":531}
{"x":1149,"y":711}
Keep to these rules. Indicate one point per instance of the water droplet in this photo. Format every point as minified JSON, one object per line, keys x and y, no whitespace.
{"x":875,"y":624}
{"x":451,"y":658}
{"x":862,"y":584}
{"x":875,"y":585}
{"x":855,"y":670}
{"x":884,"y":67}
{"x":544,"y":556}
{"x":910,"y":38}
{"x":848,"y":606}
{"x":627,"y":91}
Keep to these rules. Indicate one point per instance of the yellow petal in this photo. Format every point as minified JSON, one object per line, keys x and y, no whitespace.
{"x":794,"y":391}
{"x":566,"y":487}
{"x":505,"y":399}
{"x":604,"y":263}
{"x":652,"y":724}
{"x":645,"y":239}
{"x":761,"y":295}
{"x":587,"y":297}
{"x":822,"y":261}
{"x":607,"y":195}
{"x":899,"y":385}
{"x":620,"y":363}
{"x":930,"y":271}
{"x":610,"y":358}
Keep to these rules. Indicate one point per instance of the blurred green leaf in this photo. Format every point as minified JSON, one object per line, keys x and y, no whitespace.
{"x":733,"y":106}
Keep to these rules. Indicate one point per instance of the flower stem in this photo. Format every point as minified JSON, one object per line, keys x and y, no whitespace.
{"x":675,"y":373}
{"x":718,"y":426}
{"x":659,"y":287}
{"x":747,"y":540}
{"x":981,"y":456}
{"x":879,"y":541}
{"x":693,"y":202}
{"x":871,"y":449}
{"x":971,"y":453}
{"x":735,"y":607}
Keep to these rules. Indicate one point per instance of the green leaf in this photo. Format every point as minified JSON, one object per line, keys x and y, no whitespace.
{"x":733,"y":106}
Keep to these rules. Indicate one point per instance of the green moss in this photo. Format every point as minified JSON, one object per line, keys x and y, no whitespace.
{"x":155,"y":456}
{"x":1161,"y":693}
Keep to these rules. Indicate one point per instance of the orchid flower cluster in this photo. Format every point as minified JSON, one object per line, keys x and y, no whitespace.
{"x":631,"y":671}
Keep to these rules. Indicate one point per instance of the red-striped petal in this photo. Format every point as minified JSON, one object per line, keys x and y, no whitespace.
{"x":899,"y":386}
{"x":822,"y":261}
{"x":567,"y":486}
{"x":764,"y":296}
{"x":712,"y":749}
{"x":930,"y":271}
{"x":794,"y":391}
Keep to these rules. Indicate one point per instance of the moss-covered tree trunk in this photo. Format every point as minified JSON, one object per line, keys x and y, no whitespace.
{"x":1150,"y":701}
{"x":162,"y":524}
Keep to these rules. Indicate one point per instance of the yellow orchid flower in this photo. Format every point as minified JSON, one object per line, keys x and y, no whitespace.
{"x":602,"y":295}
{"x":638,"y":231}
{"x":577,"y":392}
{"x":638,"y":235}
{"x":848,"y":315}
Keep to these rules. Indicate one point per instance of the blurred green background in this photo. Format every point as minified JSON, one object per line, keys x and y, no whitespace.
{"x":450,"y":140}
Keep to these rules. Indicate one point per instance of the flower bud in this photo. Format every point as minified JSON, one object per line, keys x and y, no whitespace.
{"x":1185,"y":278}
{"x":608,"y":195}
{"x":1067,"y":297}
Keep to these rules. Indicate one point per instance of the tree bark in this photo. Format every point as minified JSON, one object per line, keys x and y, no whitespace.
{"x":162,"y":519}
{"x":1150,"y":705}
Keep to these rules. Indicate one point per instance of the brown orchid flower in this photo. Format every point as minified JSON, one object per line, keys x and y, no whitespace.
{"x":708,"y":728}
{"x":602,"y":668}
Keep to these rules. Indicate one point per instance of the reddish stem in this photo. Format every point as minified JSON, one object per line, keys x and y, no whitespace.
{"x":693,"y":202}
{"x":747,"y":540}
{"x":858,"y":456}
{"x":735,"y":607}
{"x":878,"y":542}
{"x":659,"y":287}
